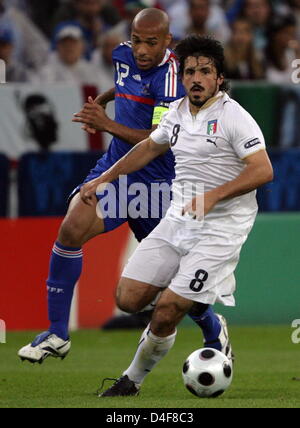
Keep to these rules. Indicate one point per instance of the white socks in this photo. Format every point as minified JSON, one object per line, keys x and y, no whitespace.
{"x":150,"y":351}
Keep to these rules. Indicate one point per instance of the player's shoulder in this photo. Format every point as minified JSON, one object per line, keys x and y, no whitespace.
{"x":124,"y":46}
{"x":165,"y":78}
{"x":237,"y":122}
{"x":169,"y":64}
{"x":169,"y":59}
{"x":173,"y":109}
{"x":175,"y":105}
{"x":234,"y":113}
{"x":123,"y":51}
{"x":229,"y":105}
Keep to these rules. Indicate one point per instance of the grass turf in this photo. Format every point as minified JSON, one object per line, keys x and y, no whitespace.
{"x":267,"y":362}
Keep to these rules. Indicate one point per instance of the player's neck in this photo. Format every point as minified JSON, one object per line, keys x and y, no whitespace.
{"x":196,"y":109}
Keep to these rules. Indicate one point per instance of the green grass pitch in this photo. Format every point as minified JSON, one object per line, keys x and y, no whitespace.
{"x":267,"y":361}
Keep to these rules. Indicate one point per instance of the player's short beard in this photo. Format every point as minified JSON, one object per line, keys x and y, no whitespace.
{"x":198,"y":103}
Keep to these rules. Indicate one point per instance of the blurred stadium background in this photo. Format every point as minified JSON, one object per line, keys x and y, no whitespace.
{"x":43,"y":156}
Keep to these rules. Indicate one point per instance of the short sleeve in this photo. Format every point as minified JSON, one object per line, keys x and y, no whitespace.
{"x":161,"y":135}
{"x":244,"y":134}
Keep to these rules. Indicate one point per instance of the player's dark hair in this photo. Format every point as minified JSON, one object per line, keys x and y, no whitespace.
{"x":197,"y":46}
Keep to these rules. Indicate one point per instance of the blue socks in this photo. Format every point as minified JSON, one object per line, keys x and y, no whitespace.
{"x":65,"y":271}
{"x":210,"y":325}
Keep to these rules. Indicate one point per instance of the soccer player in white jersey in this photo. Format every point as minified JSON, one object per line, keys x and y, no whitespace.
{"x":193,"y":253}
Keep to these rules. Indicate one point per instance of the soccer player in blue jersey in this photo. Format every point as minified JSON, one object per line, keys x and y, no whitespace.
{"x":147,"y":80}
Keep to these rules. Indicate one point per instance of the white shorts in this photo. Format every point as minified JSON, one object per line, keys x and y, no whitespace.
{"x":197,"y":264}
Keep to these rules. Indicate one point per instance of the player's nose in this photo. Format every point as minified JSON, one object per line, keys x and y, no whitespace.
{"x":197,"y":77}
{"x":141,"y":50}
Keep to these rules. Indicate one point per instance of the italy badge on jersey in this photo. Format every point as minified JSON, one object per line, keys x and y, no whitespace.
{"x":212,"y":127}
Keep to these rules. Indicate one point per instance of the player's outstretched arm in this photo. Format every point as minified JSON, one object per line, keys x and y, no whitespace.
{"x":93,"y":117}
{"x":258,"y":171}
{"x":142,"y":154}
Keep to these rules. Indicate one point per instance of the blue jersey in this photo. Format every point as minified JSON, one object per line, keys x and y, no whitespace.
{"x":137,"y":94}
{"x":140,"y":98}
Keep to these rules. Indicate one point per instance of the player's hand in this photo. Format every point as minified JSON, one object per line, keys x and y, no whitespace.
{"x":200,"y":206}
{"x":99,"y":101}
{"x":87,"y":128}
{"x":92,"y":116}
{"x":88,"y":191}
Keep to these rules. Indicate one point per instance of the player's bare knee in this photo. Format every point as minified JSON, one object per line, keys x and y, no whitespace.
{"x":127,"y":305}
{"x":124,"y":300}
{"x":71,"y":234}
{"x":133,"y":296}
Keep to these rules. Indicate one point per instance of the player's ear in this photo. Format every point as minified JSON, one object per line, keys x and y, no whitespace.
{"x":169,"y":39}
{"x":220,"y":80}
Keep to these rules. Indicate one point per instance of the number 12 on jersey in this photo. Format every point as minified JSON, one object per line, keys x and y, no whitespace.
{"x":123,"y":72}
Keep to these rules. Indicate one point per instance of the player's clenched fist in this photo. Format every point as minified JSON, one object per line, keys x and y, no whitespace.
{"x":201,"y":205}
{"x":88,"y":191}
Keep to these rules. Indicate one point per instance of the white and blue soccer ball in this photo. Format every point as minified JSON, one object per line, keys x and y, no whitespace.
{"x":207,"y":373}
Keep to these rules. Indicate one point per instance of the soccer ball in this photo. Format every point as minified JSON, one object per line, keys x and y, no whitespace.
{"x":207,"y":373}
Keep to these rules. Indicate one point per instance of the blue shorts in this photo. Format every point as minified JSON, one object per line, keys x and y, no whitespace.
{"x":142,"y":205}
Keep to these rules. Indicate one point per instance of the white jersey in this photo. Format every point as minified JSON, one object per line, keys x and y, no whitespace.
{"x":209,"y":150}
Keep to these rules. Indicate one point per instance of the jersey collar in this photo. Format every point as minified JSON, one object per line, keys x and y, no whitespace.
{"x":185,"y":105}
{"x":212,"y":101}
{"x":208,"y":104}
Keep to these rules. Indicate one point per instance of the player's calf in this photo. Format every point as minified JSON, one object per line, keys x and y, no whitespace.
{"x":169,"y":311}
{"x":155,"y":343}
{"x":151,"y":350}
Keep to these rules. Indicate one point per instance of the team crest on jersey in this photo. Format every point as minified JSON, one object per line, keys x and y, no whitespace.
{"x":212,"y":127}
